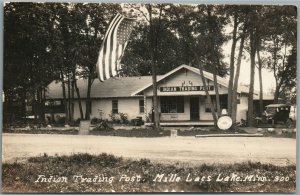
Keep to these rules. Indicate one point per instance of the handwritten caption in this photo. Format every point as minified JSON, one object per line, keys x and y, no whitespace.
{"x":159,"y":178}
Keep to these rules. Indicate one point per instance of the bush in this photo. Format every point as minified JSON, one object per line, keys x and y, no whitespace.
{"x":77,"y":122}
{"x":104,"y":125}
{"x":124,"y":117}
{"x":60,"y":120}
{"x":115,"y":118}
{"x":95,"y":121}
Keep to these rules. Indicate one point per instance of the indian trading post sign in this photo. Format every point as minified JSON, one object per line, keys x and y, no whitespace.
{"x":185,"y":88}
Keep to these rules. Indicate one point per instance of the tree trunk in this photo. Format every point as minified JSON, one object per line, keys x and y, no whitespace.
{"x":88,"y":101}
{"x":206,"y":89}
{"x":35,"y":106}
{"x":72,"y":101}
{"x":69,"y":100}
{"x":38,"y":106}
{"x":261,"y":104}
{"x":276,"y":94}
{"x":154,"y":35}
{"x":155,"y":99}
{"x":231,"y":67}
{"x":78,"y":97}
{"x":64,"y":98}
{"x":217,"y":93}
{"x":252,"y":73}
{"x":24,"y":104}
{"x":237,"y":75}
{"x":214,"y":59}
{"x":42,"y":99}
{"x":10,"y":107}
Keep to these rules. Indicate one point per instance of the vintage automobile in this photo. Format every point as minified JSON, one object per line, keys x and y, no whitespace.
{"x":277,"y":113}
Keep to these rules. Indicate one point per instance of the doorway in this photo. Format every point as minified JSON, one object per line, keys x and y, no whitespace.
{"x":194,"y":109}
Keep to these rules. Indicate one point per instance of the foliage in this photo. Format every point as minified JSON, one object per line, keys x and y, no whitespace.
{"x":124,"y":117}
{"x":119,"y":117}
{"x":115,"y":117}
{"x":95,"y":120}
{"x":104,"y":125}
{"x":24,"y":175}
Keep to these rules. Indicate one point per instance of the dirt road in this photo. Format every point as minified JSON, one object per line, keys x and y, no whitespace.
{"x":278,"y":151}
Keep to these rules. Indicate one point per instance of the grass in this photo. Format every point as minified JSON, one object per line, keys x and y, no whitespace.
{"x":21,"y":177}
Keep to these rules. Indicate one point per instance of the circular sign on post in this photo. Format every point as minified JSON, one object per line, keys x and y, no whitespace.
{"x":224,"y":122}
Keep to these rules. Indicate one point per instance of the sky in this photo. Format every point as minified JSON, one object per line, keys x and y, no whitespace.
{"x":267,"y":76}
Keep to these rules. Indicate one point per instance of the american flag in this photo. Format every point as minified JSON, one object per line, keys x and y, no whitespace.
{"x":113,"y":46}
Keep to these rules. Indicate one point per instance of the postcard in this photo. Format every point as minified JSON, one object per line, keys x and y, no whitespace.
{"x":157,"y":97}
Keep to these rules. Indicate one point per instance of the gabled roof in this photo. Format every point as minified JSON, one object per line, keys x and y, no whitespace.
{"x":113,"y":87}
{"x":221,"y":80}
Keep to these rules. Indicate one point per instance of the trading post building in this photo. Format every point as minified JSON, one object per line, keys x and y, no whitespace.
{"x":181,"y":97}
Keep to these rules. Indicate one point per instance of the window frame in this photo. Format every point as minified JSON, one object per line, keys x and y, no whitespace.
{"x":172,"y":104}
{"x":115,"y":102}
{"x":141,"y":107}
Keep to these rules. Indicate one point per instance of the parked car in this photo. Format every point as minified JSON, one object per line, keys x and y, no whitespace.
{"x":276,"y":113}
{"x":293,"y":113}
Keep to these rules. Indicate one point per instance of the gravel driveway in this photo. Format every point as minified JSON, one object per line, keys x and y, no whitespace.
{"x":186,"y":150}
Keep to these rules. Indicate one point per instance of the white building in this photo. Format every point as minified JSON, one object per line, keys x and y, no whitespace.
{"x":181,"y":97}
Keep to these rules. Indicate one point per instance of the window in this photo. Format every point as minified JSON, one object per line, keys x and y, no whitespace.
{"x":141,"y":105}
{"x":170,"y":104}
{"x":115,"y":107}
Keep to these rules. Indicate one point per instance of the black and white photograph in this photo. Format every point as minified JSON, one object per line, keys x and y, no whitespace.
{"x":149,"y":97}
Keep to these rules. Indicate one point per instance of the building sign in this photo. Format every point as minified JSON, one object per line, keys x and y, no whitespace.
{"x":224,"y":122}
{"x":185,"y":88}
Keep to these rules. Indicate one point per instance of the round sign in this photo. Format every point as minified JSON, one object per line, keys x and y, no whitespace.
{"x":224,"y":122}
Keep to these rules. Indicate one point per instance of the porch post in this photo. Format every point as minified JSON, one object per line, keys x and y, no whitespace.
{"x":145,"y":108}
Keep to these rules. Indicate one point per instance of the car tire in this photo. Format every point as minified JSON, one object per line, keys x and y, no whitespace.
{"x":289,"y":123}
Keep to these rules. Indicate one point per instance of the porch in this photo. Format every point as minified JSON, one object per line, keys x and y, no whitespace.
{"x":184,"y":123}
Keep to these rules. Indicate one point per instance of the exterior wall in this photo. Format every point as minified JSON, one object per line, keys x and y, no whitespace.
{"x":129,"y":106}
{"x":204,"y":115}
{"x":183,"y":78}
{"x":76,"y":109}
{"x":186,"y":115}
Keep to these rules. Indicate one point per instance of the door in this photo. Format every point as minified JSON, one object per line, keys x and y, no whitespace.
{"x":194,"y":108}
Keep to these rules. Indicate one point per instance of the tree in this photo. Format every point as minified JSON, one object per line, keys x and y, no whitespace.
{"x":281,"y":43}
{"x":27,"y":56}
{"x":232,"y":11}
{"x":253,"y":43}
{"x":87,"y":26}
{"x":237,"y":72}
{"x":190,"y":23}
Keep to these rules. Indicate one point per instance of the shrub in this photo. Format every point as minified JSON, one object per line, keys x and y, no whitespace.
{"x":77,"y":122}
{"x":103,"y":125}
{"x":95,"y":120}
{"x":115,"y":118}
{"x":60,"y":120}
{"x":124,"y":117}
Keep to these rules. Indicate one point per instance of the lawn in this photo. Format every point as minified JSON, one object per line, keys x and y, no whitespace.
{"x":107,"y":173}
